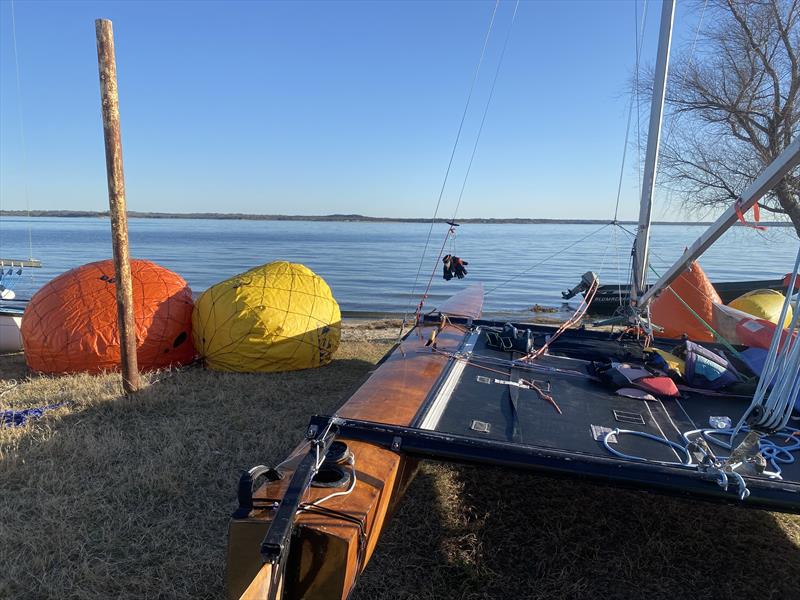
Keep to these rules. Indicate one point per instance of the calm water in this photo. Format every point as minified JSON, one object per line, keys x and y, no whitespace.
{"x":371,"y":266}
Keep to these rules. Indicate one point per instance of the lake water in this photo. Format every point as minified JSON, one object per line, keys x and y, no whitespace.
{"x":371,"y":267}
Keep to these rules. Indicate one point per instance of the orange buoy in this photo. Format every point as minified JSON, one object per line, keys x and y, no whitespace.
{"x":70,"y":324}
{"x":694,"y":288}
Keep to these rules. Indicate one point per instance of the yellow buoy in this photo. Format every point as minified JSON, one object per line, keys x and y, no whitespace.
{"x":277,"y":317}
{"x":764,"y":304}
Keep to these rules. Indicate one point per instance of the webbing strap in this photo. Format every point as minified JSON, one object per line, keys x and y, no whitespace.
{"x":513,"y":392}
{"x":756,"y":216}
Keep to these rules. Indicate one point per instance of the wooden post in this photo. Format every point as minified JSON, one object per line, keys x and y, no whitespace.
{"x":107,"y":65}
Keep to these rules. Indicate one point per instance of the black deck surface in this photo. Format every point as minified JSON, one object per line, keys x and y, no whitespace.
{"x":584,"y":402}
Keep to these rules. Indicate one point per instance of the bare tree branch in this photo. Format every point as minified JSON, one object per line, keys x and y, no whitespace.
{"x":735,"y":105}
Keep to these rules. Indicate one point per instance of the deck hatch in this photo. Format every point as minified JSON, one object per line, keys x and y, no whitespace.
{"x":624,"y":416}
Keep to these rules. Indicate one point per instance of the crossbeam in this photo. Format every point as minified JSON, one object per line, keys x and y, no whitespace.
{"x":448,"y":447}
{"x":769,"y":178}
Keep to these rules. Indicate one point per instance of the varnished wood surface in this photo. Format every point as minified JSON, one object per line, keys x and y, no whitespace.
{"x":394,"y":393}
{"x":259,"y":587}
{"x":468,"y":303}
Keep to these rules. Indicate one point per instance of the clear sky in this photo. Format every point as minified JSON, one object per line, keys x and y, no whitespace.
{"x":326,"y":107}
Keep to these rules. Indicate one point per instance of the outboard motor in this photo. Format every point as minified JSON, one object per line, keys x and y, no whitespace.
{"x":587,"y":279}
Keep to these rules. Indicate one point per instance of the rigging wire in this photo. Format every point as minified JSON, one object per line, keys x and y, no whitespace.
{"x":452,"y":155}
{"x":452,"y":230}
{"x":545,"y":259}
{"x":638,"y":41}
{"x":663,"y":260}
{"x":722,"y":340}
{"x":21,"y":129}
{"x":638,"y":110}
{"x":486,"y":110}
{"x":673,"y":116}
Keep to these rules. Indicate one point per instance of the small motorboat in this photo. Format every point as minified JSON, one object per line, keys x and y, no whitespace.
{"x":611,"y":296}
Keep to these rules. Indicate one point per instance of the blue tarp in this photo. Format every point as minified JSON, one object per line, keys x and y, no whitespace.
{"x":18,"y":418}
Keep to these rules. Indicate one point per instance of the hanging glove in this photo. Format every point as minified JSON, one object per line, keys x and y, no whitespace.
{"x":447,"y":271}
{"x":458,"y":267}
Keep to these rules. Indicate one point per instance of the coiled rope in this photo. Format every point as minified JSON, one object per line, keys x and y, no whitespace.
{"x":781,"y":373}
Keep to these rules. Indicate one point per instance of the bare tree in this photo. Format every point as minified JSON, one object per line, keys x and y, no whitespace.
{"x":735,"y":102}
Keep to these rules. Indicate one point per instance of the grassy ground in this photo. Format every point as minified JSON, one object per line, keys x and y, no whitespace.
{"x":129,"y":498}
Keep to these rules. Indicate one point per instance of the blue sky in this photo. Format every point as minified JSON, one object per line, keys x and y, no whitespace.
{"x":325,"y":107}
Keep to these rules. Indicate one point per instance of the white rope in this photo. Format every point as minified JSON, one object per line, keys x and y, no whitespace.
{"x":349,"y":490}
{"x":781,"y":373}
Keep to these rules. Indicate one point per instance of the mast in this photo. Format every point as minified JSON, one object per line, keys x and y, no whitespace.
{"x":642,"y":244}
{"x":768,"y":179}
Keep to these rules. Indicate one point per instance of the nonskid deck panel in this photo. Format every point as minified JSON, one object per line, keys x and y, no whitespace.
{"x":480,"y":406}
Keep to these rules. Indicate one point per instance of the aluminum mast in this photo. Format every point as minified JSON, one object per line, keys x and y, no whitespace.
{"x":642,"y":244}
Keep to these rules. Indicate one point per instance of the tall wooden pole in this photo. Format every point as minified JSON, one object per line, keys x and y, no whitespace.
{"x":107,"y":65}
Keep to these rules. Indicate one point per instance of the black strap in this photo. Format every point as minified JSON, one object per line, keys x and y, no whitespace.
{"x":513,"y":392}
{"x":246,"y":482}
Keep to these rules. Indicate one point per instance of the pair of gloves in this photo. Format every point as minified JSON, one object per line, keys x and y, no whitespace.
{"x":454,"y":267}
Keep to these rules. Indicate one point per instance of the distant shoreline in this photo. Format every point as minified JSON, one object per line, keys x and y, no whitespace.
{"x":338,"y":218}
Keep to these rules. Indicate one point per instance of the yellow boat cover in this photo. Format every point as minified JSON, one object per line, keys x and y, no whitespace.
{"x":764,"y":304}
{"x":277,"y":317}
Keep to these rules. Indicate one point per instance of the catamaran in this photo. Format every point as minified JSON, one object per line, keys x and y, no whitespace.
{"x":551,"y":399}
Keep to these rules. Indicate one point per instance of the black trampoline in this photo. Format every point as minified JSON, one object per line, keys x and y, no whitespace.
{"x":479,"y":412}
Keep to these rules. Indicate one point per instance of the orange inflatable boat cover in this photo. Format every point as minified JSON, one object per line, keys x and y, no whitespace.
{"x":70,"y":324}
{"x":669,"y":312}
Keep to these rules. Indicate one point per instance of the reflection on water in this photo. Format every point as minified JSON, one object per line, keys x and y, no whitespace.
{"x":372,"y":266}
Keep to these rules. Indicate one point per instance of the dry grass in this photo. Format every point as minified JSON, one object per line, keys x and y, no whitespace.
{"x":115,"y":498}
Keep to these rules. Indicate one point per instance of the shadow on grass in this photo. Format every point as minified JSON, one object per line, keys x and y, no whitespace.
{"x":478,"y":532}
{"x":12,"y":366}
{"x":118,"y":497}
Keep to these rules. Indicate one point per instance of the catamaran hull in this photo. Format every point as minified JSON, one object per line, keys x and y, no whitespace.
{"x":327,"y":553}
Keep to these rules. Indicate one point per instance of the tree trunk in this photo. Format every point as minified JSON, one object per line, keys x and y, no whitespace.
{"x":789,"y":204}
